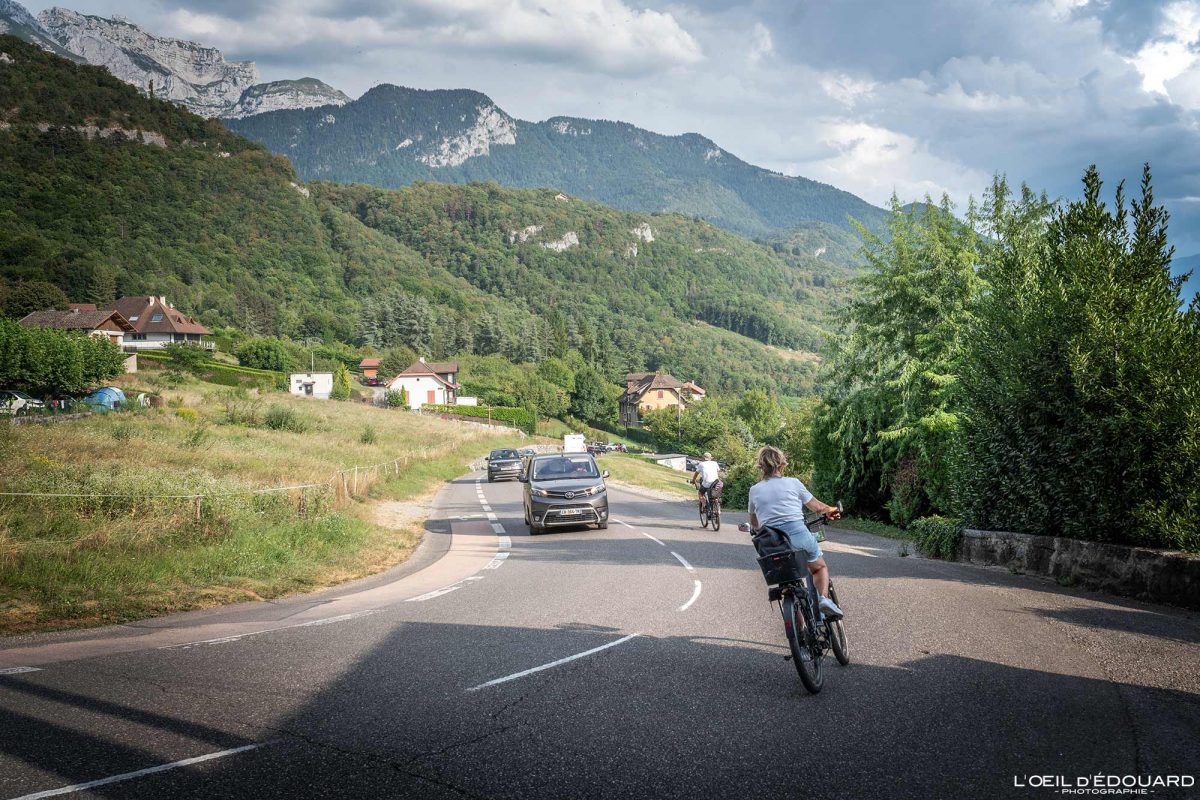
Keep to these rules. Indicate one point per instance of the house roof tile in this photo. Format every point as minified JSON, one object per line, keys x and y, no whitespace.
{"x":75,"y":320}
{"x":155,"y":315}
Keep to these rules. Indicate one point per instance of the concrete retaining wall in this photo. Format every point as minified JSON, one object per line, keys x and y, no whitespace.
{"x":1160,"y":576}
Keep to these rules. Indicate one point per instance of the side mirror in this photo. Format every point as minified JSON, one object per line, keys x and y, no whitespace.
{"x":604,"y":474}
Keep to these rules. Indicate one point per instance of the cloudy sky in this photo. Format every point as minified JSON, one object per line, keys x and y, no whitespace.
{"x":873,"y":96}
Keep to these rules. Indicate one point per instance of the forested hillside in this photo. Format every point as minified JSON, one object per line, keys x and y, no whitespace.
{"x":393,"y":136}
{"x":175,"y":205}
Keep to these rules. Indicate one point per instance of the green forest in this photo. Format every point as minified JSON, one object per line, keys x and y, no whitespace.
{"x":225,"y":230}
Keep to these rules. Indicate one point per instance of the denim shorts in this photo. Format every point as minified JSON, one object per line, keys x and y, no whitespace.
{"x":801,"y":538}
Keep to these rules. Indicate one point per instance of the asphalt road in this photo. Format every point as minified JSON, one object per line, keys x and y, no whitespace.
{"x":662,"y":676}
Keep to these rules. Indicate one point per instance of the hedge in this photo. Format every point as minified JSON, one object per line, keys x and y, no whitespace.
{"x":937,"y":537}
{"x":520,"y":417}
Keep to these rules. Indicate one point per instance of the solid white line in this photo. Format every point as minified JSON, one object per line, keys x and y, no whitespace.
{"x":187,"y":762}
{"x":18,"y":670}
{"x":648,"y":536}
{"x":496,"y":562}
{"x":235,"y":637}
{"x":561,"y":661}
{"x":430,"y":595}
{"x":683,"y":561}
{"x":695,"y":595}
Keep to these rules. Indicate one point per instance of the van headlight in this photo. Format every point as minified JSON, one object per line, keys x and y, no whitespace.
{"x":539,"y":492}
{"x":592,"y":491}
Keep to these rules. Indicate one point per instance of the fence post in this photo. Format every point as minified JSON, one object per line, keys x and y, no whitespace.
{"x":303,"y":502}
{"x":354,"y":491}
{"x":198,"y":508}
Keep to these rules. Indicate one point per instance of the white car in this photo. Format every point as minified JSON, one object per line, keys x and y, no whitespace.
{"x":18,"y":403}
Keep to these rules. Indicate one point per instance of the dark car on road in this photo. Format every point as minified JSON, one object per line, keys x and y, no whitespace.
{"x":564,"y":489}
{"x":502,"y":464}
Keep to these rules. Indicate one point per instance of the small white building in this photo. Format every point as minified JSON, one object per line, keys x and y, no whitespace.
{"x":673,"y":460}
{"x":427,"y":383}
{"x":311,"y":384}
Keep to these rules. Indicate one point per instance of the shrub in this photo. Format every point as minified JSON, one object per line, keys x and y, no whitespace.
{"x":196,"y":438}
{"x":186,"y":356}
{"x":397,"y":399}
{"x":937,"y":537}
{"x":188,"y":414}
{"x":122,"y":432}
{"x":282,"y":418}
{"x":738,"y":480}
{"x":341,"y":384}
{"x":521,"y":417}
{"x":368,"y":435}
{"x":264,"y":353}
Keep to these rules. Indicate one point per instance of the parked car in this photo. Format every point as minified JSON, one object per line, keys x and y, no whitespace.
{"x":505,"y":463}
{"x":525,"y":452}
{"x":566,"y":489}
{"x":597,"y":448}
{"x":617,"y":447}
{"x":18,"y":403}
{"x":690,"y":464}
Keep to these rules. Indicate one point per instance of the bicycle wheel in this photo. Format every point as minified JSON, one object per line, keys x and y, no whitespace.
{"x":716,"y":515}
{"x":837,"y":634}
{"x":799,"y":636}
{"x":703,"y":516}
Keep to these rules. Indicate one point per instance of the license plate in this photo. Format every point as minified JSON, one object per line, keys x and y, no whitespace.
{"x":571,"y":512}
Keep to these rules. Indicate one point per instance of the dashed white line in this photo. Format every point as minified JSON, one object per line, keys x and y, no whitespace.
{"x":683,"y":561}
{"x":486,"y":507}
{"x":125,"y":776}
{"x":695,"y":595}
{"x":430,"y":595}
{"x":552,"y":664}
{"x":626,"y":524}
{"x":238,"y":636}
{"x":492,"y":516}
{"x":497,"y":561}
{"x":498,"y":529}
{"x":19,"y":670}
{"x":505,"y":542}
{"x":648,"y":536}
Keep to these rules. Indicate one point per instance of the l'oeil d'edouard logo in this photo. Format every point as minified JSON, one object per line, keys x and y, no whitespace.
{"x":1104,"y":784}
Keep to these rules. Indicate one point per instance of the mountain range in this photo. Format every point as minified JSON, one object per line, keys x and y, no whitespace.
{"x":105,"y":191}
{"x":393,"y":136}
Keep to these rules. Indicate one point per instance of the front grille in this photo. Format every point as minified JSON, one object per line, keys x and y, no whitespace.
{"x":568,"y":494}
{"x":576,"y":513}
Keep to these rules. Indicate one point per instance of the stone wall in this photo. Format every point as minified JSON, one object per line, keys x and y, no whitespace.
{"x":1159,"y":576}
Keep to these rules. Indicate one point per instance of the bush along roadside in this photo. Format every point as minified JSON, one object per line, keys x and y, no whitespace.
{"x":522,"y":418}
{"x":937,"y":537}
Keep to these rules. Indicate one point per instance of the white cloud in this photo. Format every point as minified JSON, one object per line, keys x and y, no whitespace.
{"x":761,"y":45}
{"x":604,"y":35}
{"x":1172,"y":52}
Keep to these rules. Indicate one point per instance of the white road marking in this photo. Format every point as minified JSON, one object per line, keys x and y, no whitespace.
{"x":682,"y":560}
{"x":236,"y":637}
{"x":492,"y":517}
{"x":561,"y":661}
{"x":18,"y":670}
{"x":486,"y":507}
{"x":497,"y":528}
{"x":648,"y":536}
{"x":505,"y":542}
{"x":626,"y":524}
{"x":125,"y":776}
{"x":496,"y":562}
{"x":695,"y":595}
{"x":430,"y":595}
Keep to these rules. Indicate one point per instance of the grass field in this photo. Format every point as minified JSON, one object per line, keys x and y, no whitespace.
{"x":637,"y":470}
{"x":124,"y":552}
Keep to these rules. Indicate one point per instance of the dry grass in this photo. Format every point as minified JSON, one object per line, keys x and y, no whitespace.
{"x":77,"y":561}
{"x":640,"y":472}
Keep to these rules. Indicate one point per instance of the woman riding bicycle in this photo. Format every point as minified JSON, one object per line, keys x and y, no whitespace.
{"x":779,"y":502}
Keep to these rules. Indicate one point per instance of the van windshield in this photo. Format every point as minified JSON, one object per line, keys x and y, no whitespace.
{"x":564,"y":467}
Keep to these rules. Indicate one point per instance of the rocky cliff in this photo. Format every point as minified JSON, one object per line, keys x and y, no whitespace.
{"x":283,"y":95}
{"x":16,"y":20}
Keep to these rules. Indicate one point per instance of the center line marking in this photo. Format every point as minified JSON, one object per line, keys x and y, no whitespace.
{"x":430,"y":595}
{"x":492,"y":516}
{"x":683,"y":561}
{"x":561,"y":661}
{"x":695,"y":594}
{"x":498,"y":529}
{"x":18,"y":670}
{"x":486,"y":507}
{"x":187,"y":762}
{"x":648,"y":536}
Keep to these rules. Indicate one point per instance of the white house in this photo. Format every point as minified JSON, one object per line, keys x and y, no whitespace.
{"x":311,"y":384}
{"x":156,"y":323}
{"x":427,"y":383}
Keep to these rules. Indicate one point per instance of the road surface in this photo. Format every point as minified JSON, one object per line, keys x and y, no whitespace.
{"x":641,"y":661}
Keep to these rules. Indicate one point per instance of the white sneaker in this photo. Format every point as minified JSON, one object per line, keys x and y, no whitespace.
{"x":830,"y":609}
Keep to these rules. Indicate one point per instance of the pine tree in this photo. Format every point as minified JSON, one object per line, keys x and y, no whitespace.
{"x":341,"y":383}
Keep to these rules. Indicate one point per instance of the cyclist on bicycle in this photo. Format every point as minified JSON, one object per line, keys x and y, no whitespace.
{"x":708,"y":474}
{"x":779,"y":502}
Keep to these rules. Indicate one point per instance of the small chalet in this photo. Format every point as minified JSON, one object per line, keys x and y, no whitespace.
{"x":157,"y":323}
{"x":427,"y":382}
{"x":370,"y":369}
{"x":649,"y":391}
{"x":85,"y":318}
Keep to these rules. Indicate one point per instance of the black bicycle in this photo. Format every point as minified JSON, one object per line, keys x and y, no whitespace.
{"x":710,"y":511}
{"x":810,"y":636}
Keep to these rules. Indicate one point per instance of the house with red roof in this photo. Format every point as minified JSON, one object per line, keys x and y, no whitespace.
{"x":650,"y":391}
{"x":157,"y":323}
{"x":428,"y":383}
{"x":86,"y":318}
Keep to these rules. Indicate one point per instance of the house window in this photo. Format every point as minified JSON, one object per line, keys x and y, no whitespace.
{"x":660,"y":394}
{"x":156,"y":318}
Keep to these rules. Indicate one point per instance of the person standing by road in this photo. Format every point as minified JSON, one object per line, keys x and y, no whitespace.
{"x":779,"y":502}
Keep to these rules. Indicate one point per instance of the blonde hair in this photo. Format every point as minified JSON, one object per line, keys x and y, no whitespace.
{"x":771,"y":461}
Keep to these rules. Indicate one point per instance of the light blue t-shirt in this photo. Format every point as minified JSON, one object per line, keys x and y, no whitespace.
{"x":778,"y":500}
